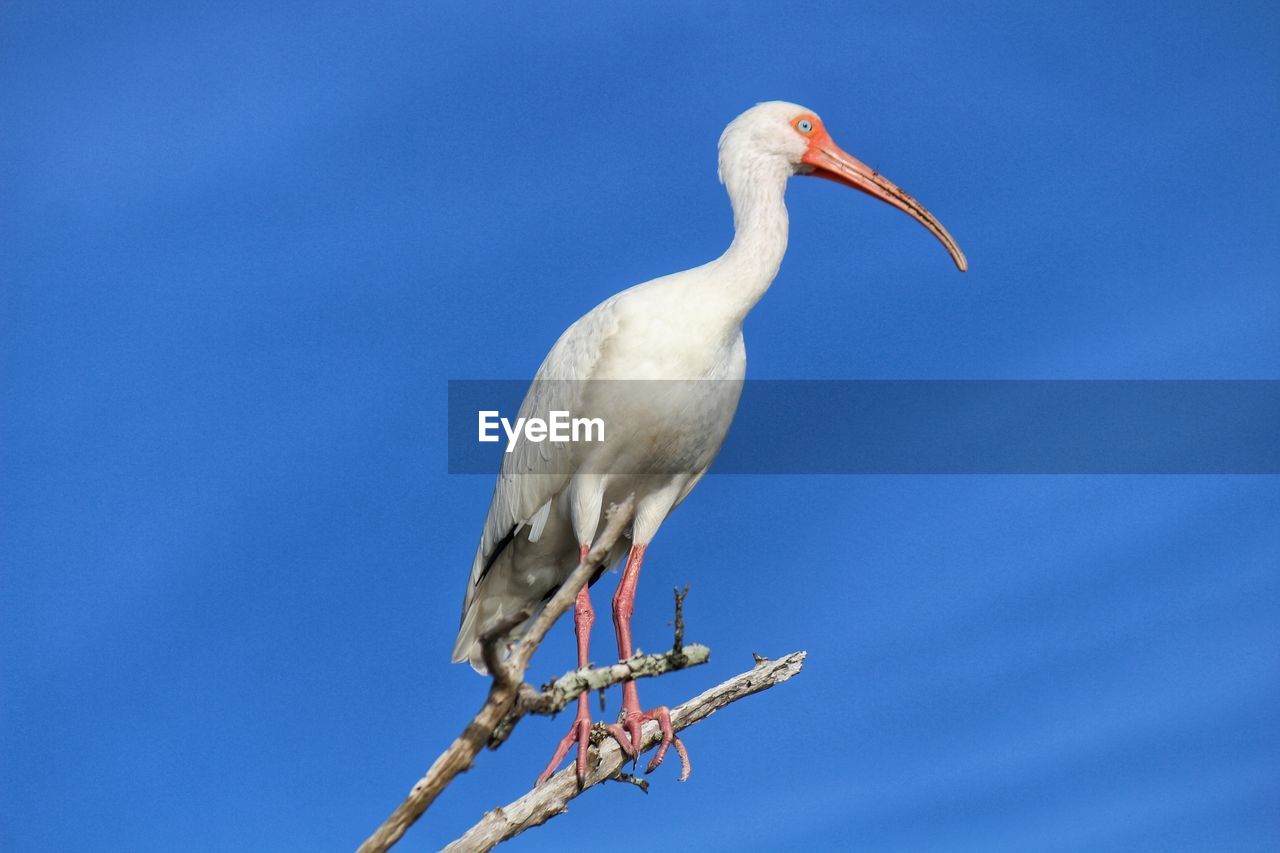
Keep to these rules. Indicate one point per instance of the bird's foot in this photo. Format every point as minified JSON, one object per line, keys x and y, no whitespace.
{"x":579,"y":732}
{"x":628,"y":733}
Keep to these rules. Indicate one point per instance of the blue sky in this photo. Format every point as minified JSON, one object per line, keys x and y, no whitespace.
{"x":243,"y":248}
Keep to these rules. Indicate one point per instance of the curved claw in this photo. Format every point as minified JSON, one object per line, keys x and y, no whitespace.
{"x":663,"y":716}
{"x":623,"y":738}
{"x":580,"y":732}
{"x":685,"y":767}
{"x":629,"y":736}
{"x":635,"y":727}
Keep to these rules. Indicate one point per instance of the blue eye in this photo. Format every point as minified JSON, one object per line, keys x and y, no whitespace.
{"x":804,"y":125}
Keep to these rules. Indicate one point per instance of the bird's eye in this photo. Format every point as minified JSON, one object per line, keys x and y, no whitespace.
{"x":804,"y":126}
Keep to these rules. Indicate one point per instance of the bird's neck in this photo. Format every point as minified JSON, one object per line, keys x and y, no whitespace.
{"x":747,"y":268}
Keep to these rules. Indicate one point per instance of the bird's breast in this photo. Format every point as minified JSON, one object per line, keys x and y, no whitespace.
{"x":668,"y":335}
{"x":667,"y":392}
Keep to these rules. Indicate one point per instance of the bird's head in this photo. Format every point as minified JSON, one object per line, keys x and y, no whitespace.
{"x":785,"y":138}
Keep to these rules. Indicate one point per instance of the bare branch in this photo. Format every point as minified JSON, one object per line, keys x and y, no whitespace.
{"x":556,"y":696}
{"x":678,"y":645}
{"x":552,"y":797}
{"x":632,"y":779}
{"x":507,"y":677}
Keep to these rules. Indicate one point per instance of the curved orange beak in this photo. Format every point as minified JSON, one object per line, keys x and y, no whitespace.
{"x":830,"y":162}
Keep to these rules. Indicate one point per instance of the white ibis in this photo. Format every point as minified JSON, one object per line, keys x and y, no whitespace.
{"x":548,"y":502}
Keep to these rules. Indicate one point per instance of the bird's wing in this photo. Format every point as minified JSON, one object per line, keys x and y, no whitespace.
{"x":533,"y":474}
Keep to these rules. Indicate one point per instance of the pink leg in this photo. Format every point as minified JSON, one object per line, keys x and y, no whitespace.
{"x":628,"y":733}
{"x":580,"y":731}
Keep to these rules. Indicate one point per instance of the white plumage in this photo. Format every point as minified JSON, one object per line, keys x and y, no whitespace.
{"x":685,"y":326}
{"x":549,"y":499}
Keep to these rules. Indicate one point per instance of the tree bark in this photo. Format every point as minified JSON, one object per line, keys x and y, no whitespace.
{"x":552,"y":798}
{"x":507,"y":677}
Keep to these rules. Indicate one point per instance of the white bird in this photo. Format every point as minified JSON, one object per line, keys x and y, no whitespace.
{"x":684,"y":329}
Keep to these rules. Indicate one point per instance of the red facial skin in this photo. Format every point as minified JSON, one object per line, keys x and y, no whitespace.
{"x":830,"y":161}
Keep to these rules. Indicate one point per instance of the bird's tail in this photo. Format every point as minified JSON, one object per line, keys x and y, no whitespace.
{"x":486,"y":606}
{"x":466,"y":646}
{"x":501,"y":592}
